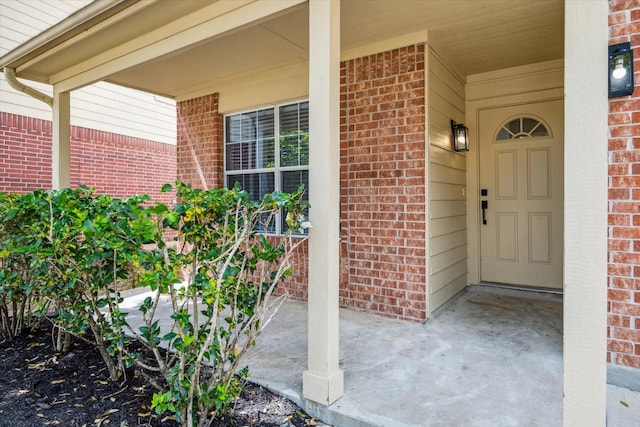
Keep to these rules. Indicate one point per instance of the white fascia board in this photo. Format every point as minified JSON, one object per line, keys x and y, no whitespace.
{"x":219,"y":18}
{"x":34,"y":46}
{"x":87,"y":32}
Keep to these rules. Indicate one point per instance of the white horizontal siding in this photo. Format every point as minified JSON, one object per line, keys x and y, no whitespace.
{"x":445,"y":208}
{"x":125,"y":111}
{"x":12,"y":32}
{"x":448,"y":174}
{"x":446,"y":259}
{"x":23,"y":19}
{"x":442,"y":295}
{"x":447,"y":241}
{"x":447,"y":276}
{"x":446,"y":192}
{"x":447,"y":185}
{"x":102,"y":106}
{"x":446,"y":225}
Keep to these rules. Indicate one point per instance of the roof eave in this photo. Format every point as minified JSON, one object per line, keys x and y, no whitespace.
{"x":64,"y":30}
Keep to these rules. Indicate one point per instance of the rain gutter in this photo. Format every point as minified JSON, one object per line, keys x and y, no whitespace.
{"x":10,"y":74}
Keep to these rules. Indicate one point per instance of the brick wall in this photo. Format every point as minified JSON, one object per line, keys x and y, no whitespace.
{"x":116,"y":164}
{"x":624,"y":199}
{"x":383,"y":267}
{"x":383,"y":223}
{"x":25,"y":153}
{"x":200,"y":150}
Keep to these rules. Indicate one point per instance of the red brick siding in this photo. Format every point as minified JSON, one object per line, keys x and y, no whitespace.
{"x":25,"y":153}
{"x":383,"y":264}
{"x":112,"y":163}
{"x":624,"y":199}
{"x":296,"y":284}
{"x":201,"y":142}
{"x":383,"y":210}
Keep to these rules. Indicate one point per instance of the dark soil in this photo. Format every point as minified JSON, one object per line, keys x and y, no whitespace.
{"x":39,"y":387}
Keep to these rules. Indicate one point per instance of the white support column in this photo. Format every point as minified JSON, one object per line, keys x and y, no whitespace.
{"x":323,"y":380}
{"x":585,"y":235}
{"x":61,"y":146}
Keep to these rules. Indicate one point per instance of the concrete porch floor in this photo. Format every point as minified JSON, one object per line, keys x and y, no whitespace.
{"x":491,"y":357}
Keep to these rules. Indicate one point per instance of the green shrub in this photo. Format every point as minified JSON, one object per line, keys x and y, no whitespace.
{"x":224,"y":299}
{"x":74,"y":251}
{"x":93,"y":242}
{"x":22,"y":272}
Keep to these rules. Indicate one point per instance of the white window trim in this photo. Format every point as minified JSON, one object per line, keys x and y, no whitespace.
{"x":277,"y":169}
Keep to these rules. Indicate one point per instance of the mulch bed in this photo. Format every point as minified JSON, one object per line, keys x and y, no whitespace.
{"x":39,"y":387}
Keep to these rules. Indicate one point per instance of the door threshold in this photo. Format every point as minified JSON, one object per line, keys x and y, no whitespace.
{"x":519,"y":290}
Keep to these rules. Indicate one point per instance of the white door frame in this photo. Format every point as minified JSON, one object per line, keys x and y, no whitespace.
{"x":544,"y":82}
{"x":549,"y":276}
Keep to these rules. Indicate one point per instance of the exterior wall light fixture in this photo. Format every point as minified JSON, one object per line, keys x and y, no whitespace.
{"x":460,"y":136}
{"x":620,"y":70}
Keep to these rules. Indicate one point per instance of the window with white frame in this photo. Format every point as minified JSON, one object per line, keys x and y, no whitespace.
{"x":268,"y":150}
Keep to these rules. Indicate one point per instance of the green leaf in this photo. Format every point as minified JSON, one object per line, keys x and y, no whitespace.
{"x":188,"y":339}
{"x":172,"y":218}
{"x":169,"y":336}
{"x":159,"y":209}
{"x":88,"y":228}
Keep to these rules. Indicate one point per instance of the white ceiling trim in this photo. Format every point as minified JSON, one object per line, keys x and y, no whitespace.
{"x":169,"y":39}
{"x":386,"y":45}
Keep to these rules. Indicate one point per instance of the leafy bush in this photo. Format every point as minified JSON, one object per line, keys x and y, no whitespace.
{"x":74,"y":251}
{"x":22,"y":272}
{"x":222,"y":304}
{"x":93,"y":241}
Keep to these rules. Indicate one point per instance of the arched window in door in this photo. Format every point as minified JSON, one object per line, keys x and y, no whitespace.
{"x":522,"y":127}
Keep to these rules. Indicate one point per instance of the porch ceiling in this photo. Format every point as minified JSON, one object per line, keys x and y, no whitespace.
{"x":473,"y":36}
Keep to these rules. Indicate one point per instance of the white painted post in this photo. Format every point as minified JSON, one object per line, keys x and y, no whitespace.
{"x":61,"y":146}
{"x":585,"y":225}
{"x":323,"y":380}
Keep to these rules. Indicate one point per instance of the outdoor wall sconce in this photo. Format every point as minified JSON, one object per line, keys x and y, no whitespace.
{"x":460,"y":136}
{"x":620,"y":70}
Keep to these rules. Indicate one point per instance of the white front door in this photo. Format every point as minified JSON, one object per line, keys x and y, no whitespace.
{"x":521,"y":182}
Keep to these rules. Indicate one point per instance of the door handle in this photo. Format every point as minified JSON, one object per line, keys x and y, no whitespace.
{"x":484,"y":205}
